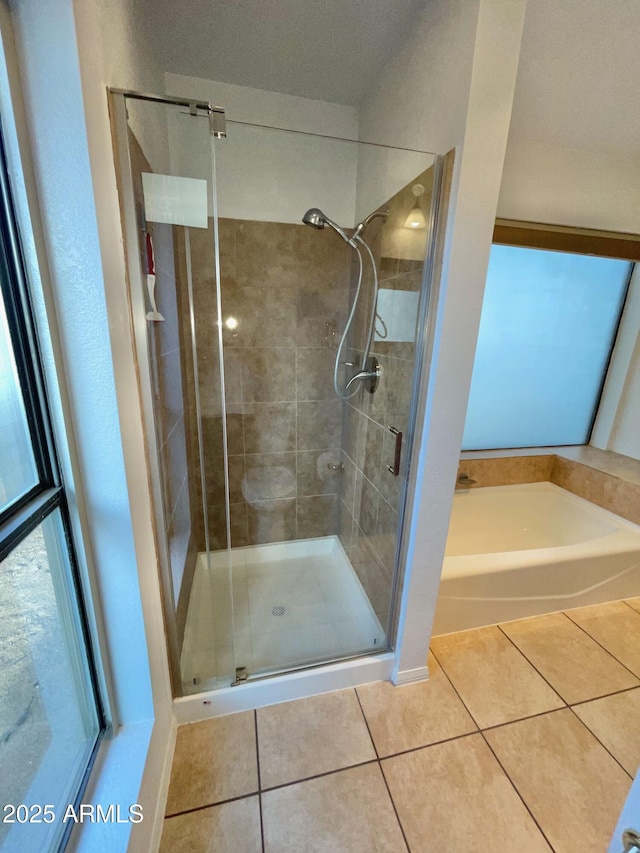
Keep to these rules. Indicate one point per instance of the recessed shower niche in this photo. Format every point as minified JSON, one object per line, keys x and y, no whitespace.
{"x":278,"y":296}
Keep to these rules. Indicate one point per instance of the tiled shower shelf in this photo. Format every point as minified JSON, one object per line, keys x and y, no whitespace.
{"x":293,"y":603}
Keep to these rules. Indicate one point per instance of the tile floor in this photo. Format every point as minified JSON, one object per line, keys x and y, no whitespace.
{"x":525,"y":738}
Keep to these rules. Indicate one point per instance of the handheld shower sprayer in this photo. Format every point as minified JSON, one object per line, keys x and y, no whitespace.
{"x":315,"y":218}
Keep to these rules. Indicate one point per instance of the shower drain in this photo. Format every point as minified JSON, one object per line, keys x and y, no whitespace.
{"x":279,"y":609}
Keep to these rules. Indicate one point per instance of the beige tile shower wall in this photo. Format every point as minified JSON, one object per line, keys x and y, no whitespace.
{"x":284,"y":300}
{"x":370,"y":493}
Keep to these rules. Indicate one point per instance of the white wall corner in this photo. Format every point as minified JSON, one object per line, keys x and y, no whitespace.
{"x":480,"y":156}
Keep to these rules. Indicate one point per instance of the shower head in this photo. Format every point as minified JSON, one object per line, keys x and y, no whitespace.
{"x":314,"y":217}
{"x":317,"y":219}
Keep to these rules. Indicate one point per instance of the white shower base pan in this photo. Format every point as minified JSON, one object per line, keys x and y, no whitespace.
{"x":294,"y":604}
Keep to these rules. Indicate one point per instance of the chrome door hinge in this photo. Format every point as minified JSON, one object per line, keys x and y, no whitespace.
{"x":241,"y":674}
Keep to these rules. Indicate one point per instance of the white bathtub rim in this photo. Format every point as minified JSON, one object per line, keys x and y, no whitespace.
{"x":624,"y":539}
{"x":546,"y":486}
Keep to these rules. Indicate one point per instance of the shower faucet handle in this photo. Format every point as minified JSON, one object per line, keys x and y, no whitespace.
{"x":373,"y":374}
{"x":361,"y":374}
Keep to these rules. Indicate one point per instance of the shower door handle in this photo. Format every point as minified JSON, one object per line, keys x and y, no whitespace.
{"x":395,"y":468}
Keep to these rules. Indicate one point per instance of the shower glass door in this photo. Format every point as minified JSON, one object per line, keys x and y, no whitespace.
{"x":316,"y":470}
{"x":282,"y":383}
{"x":167,"y":218}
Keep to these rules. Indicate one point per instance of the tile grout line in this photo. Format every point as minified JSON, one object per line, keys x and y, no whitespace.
{"x":255,"y":721}
{"x":379,"y":763}
{"x":513,"y":785}
{"x":366,"y":722}
{"x":604,"y":696}
{"x":212,"y":805}
{"x":630,"y":606}
{"x":318,"y":775}
{"x":595,"y":736}
{"x":481,"y":732}
{"x":455,"y":690}
{"x":604,"y":648}
{"x":533,"y":666}
{"x":395,"y":810}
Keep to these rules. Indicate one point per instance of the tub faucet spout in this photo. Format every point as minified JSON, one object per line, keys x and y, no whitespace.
{"x":464,"y":481}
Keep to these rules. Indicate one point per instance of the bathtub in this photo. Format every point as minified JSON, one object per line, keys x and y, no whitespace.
{"x":517,"y":551}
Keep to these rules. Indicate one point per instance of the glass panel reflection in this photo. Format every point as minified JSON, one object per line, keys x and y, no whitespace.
{"x":18,"y":472}
{"x":48,"y":722}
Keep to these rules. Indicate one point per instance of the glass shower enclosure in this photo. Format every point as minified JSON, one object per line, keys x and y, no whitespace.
{"x":278,"y":296}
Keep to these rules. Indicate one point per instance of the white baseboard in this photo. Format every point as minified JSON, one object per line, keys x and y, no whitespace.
{"x":409,"y":676}
{"x":158,"y":821}
{"x":145,"y":836}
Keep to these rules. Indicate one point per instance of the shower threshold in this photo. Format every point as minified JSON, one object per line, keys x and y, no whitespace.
{"x":294,"y":604}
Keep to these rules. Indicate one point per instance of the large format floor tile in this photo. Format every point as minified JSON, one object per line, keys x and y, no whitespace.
{"x":229,"y":828}
{"x":312,"y":736}
{"x":348,"y":811}
{"x":571,"y":661}
{"x":635,"y":603}
{"x":214,"y":760}
{"x":414,"y":715}
{"x":455,"y":796}
{"x":616,"y":627}
{"x":614,"y":721}
{"x":571,"y":784}
{"x":495,"y":681}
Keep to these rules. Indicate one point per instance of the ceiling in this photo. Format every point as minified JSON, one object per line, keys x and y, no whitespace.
{"x":330,"y":50}
{"x":579,"y":76}
{"x":578,"y":80}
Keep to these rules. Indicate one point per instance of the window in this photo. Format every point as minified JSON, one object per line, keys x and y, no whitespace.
{"x":50,"y":714}
{"x":548,"y":325}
